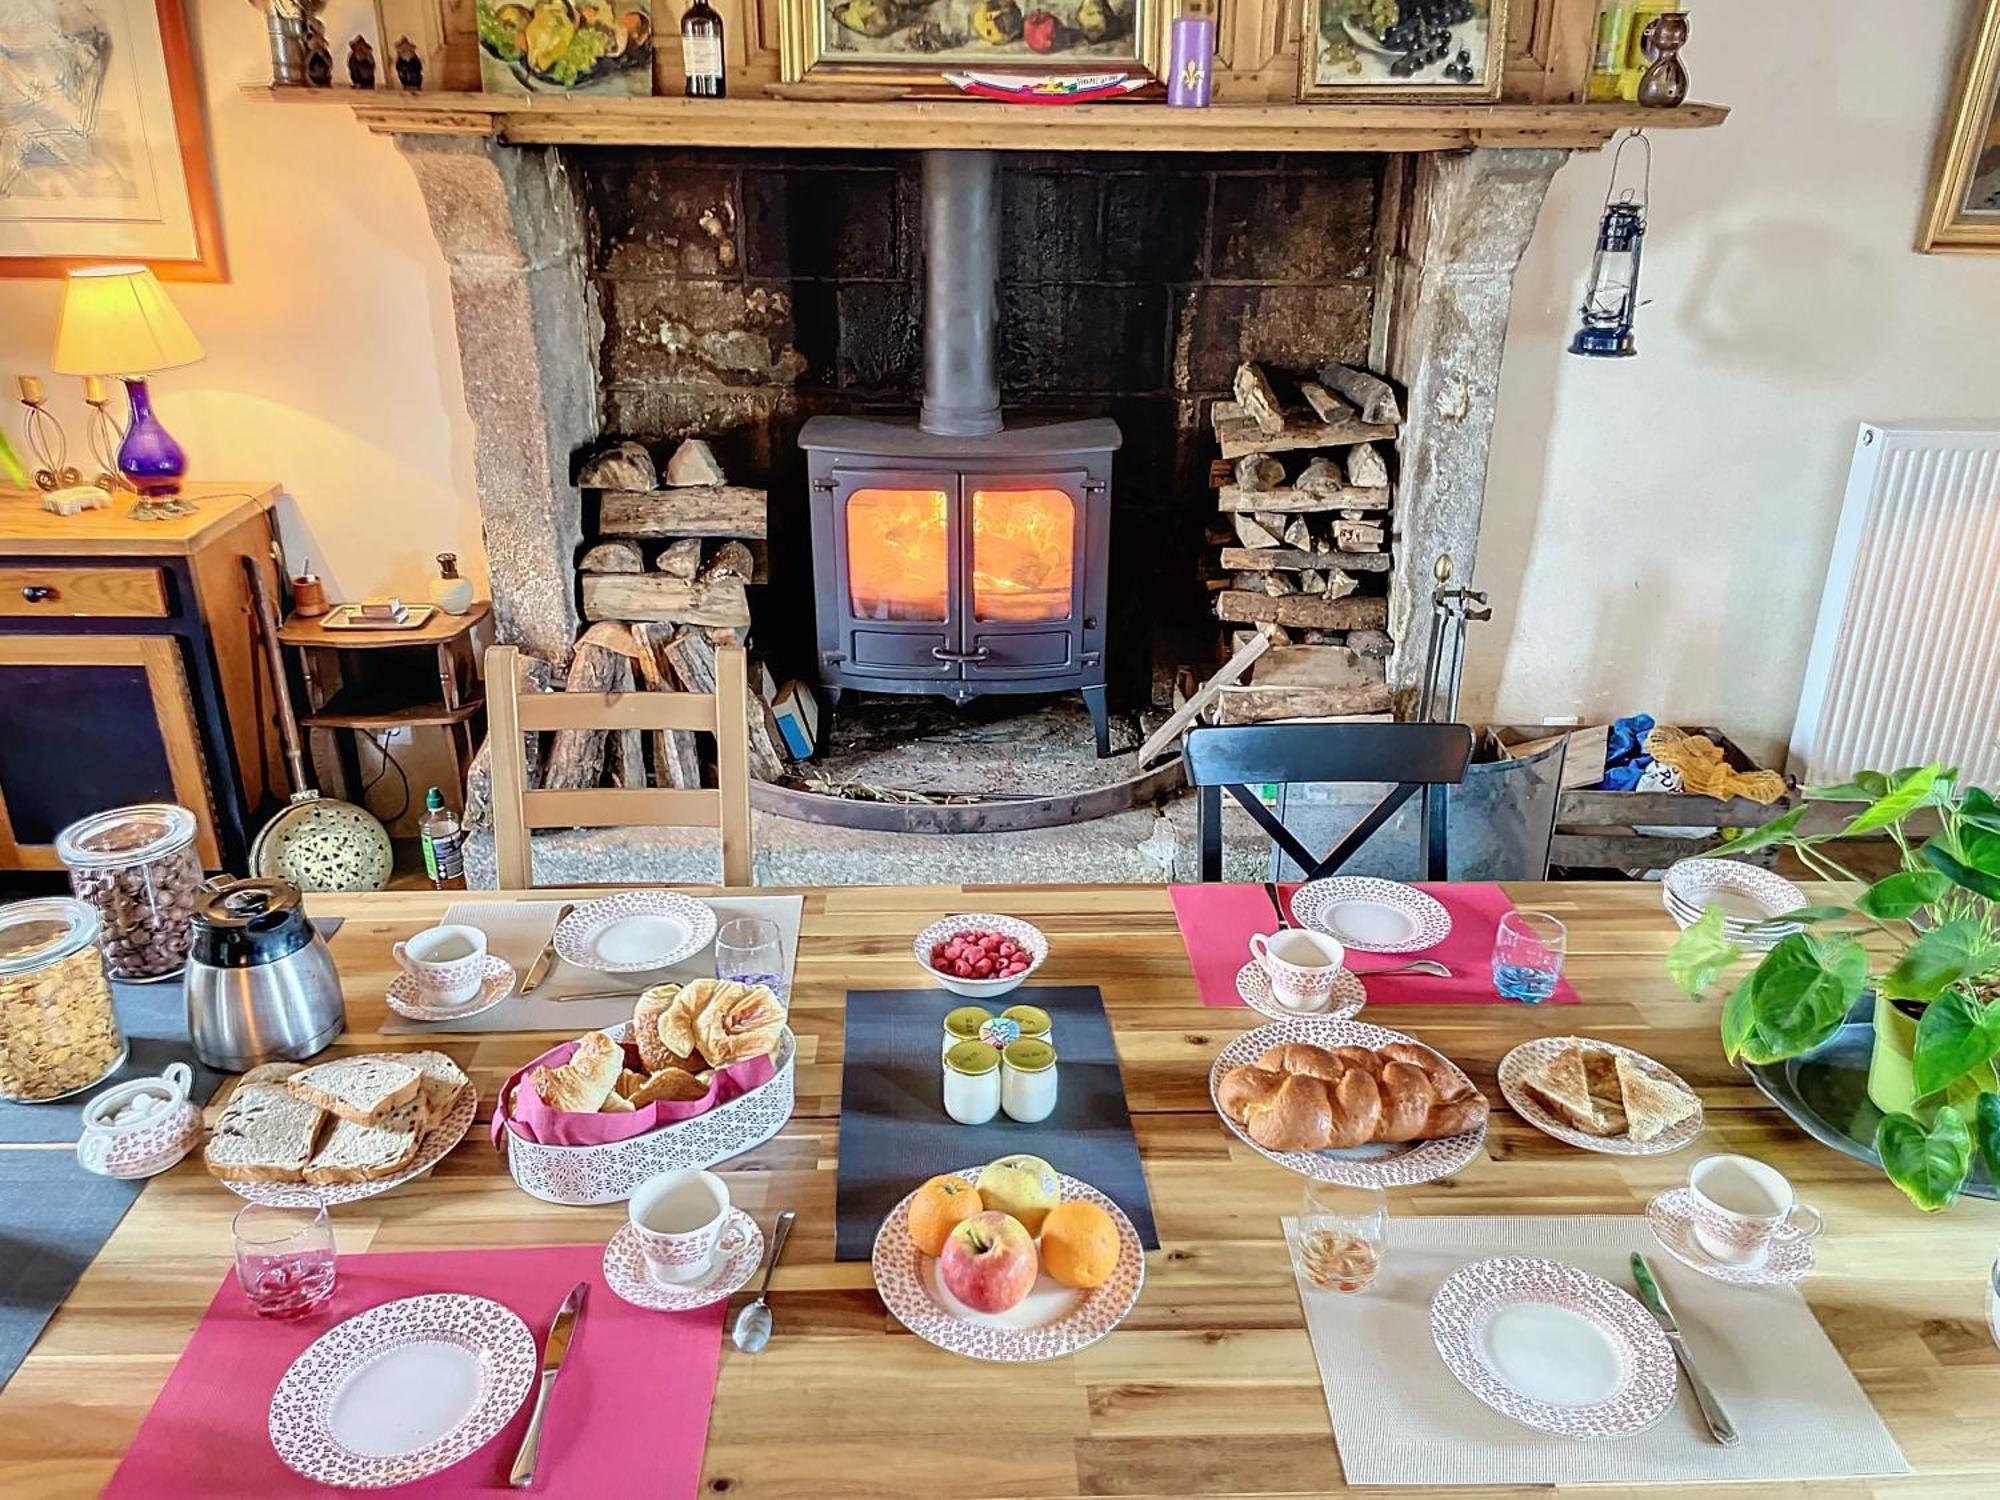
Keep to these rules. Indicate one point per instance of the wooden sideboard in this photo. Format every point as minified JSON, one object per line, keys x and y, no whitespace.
{"x":129,"y":671}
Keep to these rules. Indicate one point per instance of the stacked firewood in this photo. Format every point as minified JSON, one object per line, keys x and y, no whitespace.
{"x":1305,"y":504}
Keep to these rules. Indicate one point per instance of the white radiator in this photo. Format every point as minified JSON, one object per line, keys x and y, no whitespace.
{"x":1905,"y":663}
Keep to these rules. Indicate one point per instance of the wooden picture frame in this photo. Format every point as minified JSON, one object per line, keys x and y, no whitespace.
{"x":163,"y":59}
{"x":1963,"y":212}
{"x":815,"y":47}
{"x":1361,"y":72}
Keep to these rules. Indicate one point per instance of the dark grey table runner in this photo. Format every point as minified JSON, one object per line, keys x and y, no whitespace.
{"x":894,"y":1132}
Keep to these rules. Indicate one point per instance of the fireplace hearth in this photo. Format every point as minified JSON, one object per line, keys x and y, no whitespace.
{"x":956,"y":555}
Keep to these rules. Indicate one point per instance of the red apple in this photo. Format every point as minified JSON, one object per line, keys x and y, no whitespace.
{"x":1039,"y":31}
{"x":989,"y":1262}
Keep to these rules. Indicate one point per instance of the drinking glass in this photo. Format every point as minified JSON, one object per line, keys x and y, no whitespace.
{"x":284,"y":1258}
{"x":1528,"y":956}
{"x":1340,"y":1237}
{"x":749,"y":950}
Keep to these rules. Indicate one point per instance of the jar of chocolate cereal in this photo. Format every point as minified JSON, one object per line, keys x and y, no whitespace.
{"x":58,"y":1033}
{"x":137,"y":866}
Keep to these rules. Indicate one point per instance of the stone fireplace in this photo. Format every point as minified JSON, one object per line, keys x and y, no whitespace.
{"x":740,"y":295}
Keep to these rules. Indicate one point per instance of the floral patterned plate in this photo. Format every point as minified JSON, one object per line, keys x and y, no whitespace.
{"x":1371,"y":916}
{"x":1671,"y":1218}
{"x":738,"y":1252}
{"x":1555,"y":1348}
{"x":1404,"y":1164}
{"x":403,"y":1390}
{"x":1054,"y":1320}
{"x":1516,"y":1065}
{"x":436,"y":1144}
{"x":635,"y":931}
{"x":1254,"y":985}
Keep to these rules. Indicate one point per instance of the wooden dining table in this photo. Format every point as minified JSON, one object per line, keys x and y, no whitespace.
{"x":1209,"y":1387}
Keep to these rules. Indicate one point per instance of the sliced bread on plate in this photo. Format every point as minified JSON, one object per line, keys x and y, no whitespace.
{"x":266,"y":1134}
{"x":361,"y":1089}
{"x":364,"y":1153}
{"x":443,"y":1080}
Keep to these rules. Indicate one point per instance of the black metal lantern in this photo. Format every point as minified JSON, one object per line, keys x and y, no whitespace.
{"x":1612,"y":297}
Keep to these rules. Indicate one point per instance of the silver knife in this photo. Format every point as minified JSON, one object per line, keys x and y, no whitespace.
{"x":545,"y":960}
{"x":1719,"y":1425}
{"x":561,"y":1331}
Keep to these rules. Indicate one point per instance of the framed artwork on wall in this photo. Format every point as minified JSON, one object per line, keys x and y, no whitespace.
{"x":1964,"y":208}
{"x":1433,"y":50}
{"x":913,"y":42}
{"x":103,"y":156}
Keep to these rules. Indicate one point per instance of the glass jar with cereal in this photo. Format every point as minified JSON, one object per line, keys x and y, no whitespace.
{"x":138,"y":867}
{"x":58,"y":1032}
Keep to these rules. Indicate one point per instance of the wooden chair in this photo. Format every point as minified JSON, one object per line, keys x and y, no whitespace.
{"x":517,"y":808}
{"x":1415,"y":757}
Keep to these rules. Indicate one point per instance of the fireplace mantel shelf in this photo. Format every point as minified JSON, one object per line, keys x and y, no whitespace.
{"x":909,"y":124}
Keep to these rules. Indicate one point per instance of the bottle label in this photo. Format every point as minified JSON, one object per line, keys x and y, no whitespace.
{"x":443,"y":858}
{"x":701,"y":56}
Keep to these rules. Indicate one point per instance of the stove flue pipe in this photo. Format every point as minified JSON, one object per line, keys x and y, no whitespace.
{"x":961,"y":293}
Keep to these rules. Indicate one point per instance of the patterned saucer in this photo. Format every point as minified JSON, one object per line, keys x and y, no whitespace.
{"x":496,"y":983}
{"x":1370,"y":915}
{"x":1671,"y":1218}
{"x":738,"y":1253}
{"x":1254,"y":985}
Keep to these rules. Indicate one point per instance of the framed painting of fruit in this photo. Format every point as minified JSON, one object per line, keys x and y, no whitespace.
{"x":914,"y":41}
{"x":566,"y":46}
{"x":1402,"y":49}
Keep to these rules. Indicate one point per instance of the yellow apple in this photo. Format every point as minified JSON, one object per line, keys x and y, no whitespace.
{"x":1024,"y":1186}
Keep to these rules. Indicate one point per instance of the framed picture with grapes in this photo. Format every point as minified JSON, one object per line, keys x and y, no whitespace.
{"x":1402,"y":49}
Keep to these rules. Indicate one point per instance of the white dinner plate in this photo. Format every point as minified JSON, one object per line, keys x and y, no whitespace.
{"x":635,"y":931}
{"x":1371,"y":916}
{"x":403,"y":1390}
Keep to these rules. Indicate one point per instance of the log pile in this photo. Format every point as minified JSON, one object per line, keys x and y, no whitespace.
{"x":1305,"y":509}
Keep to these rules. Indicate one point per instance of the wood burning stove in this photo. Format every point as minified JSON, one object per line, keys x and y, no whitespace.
{"x":956,"y":555}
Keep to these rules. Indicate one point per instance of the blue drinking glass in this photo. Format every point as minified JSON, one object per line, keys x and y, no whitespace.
{"x":1528,"y":956}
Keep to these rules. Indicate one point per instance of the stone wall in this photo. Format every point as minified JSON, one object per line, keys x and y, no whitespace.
{"x":742,"y":292}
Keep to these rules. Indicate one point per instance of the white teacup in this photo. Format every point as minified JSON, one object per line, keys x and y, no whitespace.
{"x":1742,"y":1206}
{"x":447,"y":962}
{"x":678,"y":1218}
{"x":1301,"y":965}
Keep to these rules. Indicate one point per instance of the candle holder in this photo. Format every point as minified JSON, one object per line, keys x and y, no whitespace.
{"x":47,"y":441}
{"x":106,"y":433}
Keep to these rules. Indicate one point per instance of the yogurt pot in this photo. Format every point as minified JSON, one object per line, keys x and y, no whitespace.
{"x":962,"y":1025}
{"x":1028,"y":1081}
{"x":141,"y":1128}
{"x":972,"y":1083}
{"x":1035,"y":1023}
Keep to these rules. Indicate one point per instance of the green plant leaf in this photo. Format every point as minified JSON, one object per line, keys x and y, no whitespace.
{"x":1811,"y":914}
{"x":10,"y":465}
{"x":1903,"y":894}
{"x":1940,"y":856}
{"x":1908,"y":792}
{"x":1979,"y":809}
{"x":1930,"y":1166}
{"x":1949,"y":952}
{"x":1865,"y":786}
{"x":1778,"y":829}
{"x":1701,"y":953}
{"x":1956,"y":1035}
{"x":1795,"y":998}
{"x":1986,"y":1128}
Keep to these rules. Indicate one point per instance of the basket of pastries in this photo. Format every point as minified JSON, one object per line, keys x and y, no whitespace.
{"x":701,"y":1073}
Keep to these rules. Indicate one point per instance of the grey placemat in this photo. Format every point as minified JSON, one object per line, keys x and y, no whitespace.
{"x":1399,"y":1418}
{"x":894,"y":1132}
{"x":518,"y":931}
{"x":54,"y":1218}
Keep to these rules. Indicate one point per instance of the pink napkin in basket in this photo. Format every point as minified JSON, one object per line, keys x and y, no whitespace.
{"x":630,"y":1374}
{"x":1216,"y":922}
{"x":521,"y":1110}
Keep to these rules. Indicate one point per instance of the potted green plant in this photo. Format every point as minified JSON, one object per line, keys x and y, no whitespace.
{"x":1935,"y":981}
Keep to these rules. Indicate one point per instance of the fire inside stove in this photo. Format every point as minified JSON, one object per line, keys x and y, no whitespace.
{"x":1023,"y":554}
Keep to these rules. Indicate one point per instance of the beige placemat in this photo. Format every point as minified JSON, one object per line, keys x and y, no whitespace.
{"x":518,"y":930}
{"x":1399,"y":1418}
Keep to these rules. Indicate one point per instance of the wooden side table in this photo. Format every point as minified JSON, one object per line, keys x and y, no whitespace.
{"x":380,"y":680}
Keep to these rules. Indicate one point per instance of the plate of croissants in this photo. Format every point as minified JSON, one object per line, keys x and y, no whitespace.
{"x":1600,"y":1096}
{"x":1343,"y":1101}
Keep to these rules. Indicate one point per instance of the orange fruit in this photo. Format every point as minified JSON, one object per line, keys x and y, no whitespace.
{"x":1079,"y":1244}
{"x":940,"y":1206}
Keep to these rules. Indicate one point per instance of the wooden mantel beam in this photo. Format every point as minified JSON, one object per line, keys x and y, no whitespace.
{"x":907,"y":124}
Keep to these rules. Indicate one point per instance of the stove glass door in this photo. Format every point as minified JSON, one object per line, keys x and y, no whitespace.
{"x":1023,"y":554}
{"x":899,"y":554}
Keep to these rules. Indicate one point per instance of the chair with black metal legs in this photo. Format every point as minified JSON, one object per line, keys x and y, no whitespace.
{"x":1413,"y":757}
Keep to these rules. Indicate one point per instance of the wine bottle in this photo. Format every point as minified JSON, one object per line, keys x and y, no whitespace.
{"x":701,"y":51}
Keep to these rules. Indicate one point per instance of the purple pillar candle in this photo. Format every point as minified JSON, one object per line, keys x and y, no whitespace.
{"x":1193,"y":66}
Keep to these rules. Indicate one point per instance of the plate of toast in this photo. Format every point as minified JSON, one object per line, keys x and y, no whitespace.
{"x":339,"y":1131}
{"x":1600,"y":1096}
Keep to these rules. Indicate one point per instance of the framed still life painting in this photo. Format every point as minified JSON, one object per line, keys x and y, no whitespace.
{"x":1435,"y":50}
{"x":913,"y":42}
{"x":103,"y":157}
{"x":1964,"y":208}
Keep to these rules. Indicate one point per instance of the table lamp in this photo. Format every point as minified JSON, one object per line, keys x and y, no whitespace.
{"x":116,"y":320}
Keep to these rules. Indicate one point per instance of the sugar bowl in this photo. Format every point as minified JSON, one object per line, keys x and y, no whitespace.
{"x":141,"y":1128}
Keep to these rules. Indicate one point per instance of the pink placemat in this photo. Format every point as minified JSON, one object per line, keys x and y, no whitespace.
{"x":633,"y":1378}
{"x":1216,"y":923}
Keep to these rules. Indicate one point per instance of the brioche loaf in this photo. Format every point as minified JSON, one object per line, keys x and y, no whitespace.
{"x":1303,"y":1098}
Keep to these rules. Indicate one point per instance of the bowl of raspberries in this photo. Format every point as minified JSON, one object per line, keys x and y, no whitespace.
{"x":980,"y":954}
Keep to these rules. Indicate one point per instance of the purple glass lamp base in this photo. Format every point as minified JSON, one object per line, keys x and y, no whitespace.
{"x":149,"y":457}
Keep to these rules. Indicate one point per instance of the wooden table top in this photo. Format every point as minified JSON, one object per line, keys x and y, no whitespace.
{"x":110,"y":531}
{"x":1209,"y":1387}
{"x":299,"y":630}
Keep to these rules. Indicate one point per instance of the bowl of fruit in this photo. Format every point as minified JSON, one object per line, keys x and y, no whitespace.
{"x":980,"y":955}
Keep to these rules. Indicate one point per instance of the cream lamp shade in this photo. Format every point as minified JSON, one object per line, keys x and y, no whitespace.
{"x":116,"y":320}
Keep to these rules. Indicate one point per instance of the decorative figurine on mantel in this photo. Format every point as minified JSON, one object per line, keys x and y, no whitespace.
{"x":1665,"y":83}
{"x":319,"y":56}
{"x":409,"y":64}
{"x":361,"y":63}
